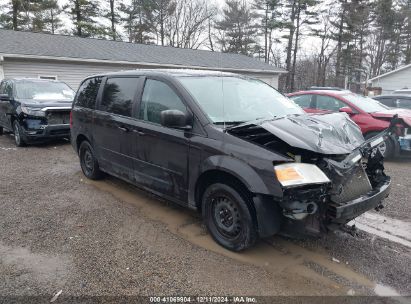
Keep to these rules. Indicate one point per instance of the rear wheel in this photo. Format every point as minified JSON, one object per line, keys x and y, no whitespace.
{"x":88,"y":161}
{"x":228,"y":217}
{"x":18,"y":140}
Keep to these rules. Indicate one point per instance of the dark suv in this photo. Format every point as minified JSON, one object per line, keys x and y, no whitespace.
{"x":35,"y":110}
{"x":395,"y":100}
{"x":231,"y":147}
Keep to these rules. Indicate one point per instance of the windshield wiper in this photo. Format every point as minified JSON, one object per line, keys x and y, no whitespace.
{"x":248,"y":122}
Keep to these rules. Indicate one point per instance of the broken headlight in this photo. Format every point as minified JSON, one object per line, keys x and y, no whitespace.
{"x":299,"y":174}
{"x":33,"y":111}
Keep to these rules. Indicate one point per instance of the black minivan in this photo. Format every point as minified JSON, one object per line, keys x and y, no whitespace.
{"x":232,"y":147}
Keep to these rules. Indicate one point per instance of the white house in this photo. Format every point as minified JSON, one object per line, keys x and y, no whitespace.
{"x":70,"y":59}
{"x":394,"y":80}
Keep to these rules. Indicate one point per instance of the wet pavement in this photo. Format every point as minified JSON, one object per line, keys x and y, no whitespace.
{"x":60,"y":231}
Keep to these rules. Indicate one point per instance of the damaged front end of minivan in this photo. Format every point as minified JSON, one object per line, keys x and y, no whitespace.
{"x":335,"y":174}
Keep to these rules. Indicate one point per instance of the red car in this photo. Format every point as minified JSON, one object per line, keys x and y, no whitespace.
{"x":370,"y":115}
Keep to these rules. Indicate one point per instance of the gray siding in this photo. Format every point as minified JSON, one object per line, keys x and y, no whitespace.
{"x":395,"y":81}
{"x":72,"y":73}
{"x":272,"y":80}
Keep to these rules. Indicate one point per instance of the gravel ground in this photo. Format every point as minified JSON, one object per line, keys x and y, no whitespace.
{"x":60,"y":231}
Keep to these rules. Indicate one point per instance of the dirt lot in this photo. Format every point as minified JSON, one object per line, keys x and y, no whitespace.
{"x":59,"y":231}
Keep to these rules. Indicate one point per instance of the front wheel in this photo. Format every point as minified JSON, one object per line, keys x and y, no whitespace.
{"x":88,"y":161}
{"x":228,"y":217}
{"x":387,"y":148}
{"x":18,"y":140}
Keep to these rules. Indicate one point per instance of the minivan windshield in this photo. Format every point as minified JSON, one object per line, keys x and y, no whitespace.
{"x":43,"y":90}
{"x":229,"y":99}
{"x":366,"y":104}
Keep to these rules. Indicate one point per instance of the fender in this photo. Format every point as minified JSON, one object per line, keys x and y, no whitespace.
{"x":239,"y":169}
{"x":267,"y":210}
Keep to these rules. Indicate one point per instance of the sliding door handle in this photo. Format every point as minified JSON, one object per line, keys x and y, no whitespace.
{"x":139,"y":132}
{"x":124,"y":129}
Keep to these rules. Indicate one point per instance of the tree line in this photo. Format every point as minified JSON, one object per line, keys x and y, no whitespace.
{"x":325,"y":43}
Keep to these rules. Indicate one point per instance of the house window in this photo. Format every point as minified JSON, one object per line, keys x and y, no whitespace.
{"x":50,"y":77}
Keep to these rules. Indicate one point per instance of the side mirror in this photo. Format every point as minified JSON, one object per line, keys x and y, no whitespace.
{"x":347,"y":110}
{"x":4,"y":97}
{"x":176,"y":119}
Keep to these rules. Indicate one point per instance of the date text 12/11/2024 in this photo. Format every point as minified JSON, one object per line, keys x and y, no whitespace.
{"x":203,"y":299}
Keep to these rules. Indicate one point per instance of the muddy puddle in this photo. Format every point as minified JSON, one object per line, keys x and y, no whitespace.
{"x":276,"y":255}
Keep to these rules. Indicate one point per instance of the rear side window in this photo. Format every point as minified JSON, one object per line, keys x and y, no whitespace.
{"x":329,"y":103}
{"x":303,"y":101}
{"x":118,"y":95}
{"x":158,"y":97}
{"x":87,"y":93}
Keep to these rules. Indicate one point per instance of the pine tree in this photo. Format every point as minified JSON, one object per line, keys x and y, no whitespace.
{"x":159,"y":14}
{"x":83,"y":13}
{"x":300,"y":13}
{"x":45,"y":16}
{"x":406,"y":36}
{"x":15,"y":15}
{"x":135,"y":20}
{"x":269,"y":13}
{"x":239,"y":27}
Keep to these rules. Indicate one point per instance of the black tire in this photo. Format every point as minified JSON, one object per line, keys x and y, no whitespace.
{"x":88,"y":161}
{"x":228,"y":217}
{"x":18,"y":140}
{"x":387,"y":149}
{"x":1,"y":131}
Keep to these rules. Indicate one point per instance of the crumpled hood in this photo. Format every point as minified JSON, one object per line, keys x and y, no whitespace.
{"x":332,"y":133}
{"x":404,"y":114}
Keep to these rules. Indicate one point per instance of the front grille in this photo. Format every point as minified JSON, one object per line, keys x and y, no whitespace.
{"x":358,"y":184}
{"x":58,"y":117}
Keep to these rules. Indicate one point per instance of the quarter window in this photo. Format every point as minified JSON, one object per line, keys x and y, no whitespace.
{"x":87,"y":93}
{"x":118,"y":95}
{"x":158,"y":97}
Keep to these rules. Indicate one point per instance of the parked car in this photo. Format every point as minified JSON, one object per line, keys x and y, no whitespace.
{"x":402,"y":91}
{"x":245,"y":156}
{"x":395,"y":100}
{"x":35,"y":110}
{"x":370,"y":115}
{"x":327,"y":88}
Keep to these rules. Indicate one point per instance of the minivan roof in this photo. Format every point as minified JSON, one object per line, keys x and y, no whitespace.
{"x":171,"y":72}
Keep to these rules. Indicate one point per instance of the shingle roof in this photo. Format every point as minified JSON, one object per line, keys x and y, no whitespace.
{"x":39,"y":44}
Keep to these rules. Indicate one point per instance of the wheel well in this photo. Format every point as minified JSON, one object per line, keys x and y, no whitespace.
{"x":79,"y":140}
{"x":370,"y":134}
{"x":217,"y":176}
